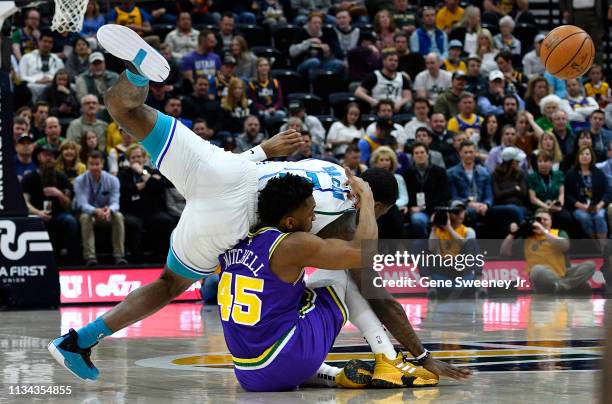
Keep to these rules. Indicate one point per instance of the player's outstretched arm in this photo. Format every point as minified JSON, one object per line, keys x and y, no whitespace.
{"x":125,"y":103}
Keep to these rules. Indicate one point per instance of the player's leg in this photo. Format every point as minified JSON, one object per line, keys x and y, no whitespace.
{"x":72,"y":350}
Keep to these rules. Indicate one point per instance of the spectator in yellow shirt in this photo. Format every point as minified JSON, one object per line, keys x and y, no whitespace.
{"x":454,"y":62}
{"x":448,"y":15}
{"x":466,"y":121}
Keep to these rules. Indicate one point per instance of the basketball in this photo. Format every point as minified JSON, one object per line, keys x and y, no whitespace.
{"x":567,"y":52}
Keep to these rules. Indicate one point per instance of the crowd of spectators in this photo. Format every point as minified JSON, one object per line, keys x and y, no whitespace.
{"x":458,"y":112}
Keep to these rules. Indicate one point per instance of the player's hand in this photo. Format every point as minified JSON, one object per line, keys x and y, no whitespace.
{"x":445,"y":369}
{"x":283,"y":143}
{"x":359,"y":187}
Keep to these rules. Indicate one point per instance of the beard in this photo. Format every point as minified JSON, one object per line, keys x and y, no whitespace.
{"x":48,"y":175}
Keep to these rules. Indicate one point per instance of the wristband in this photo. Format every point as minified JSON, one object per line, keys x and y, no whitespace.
{"x":255,"y":154}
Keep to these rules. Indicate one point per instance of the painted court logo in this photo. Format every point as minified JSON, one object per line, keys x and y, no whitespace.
{"x":14,"y":248}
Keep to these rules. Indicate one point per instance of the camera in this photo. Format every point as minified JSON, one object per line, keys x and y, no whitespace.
{"x":526,"y":228}
{"x":441,"y":215}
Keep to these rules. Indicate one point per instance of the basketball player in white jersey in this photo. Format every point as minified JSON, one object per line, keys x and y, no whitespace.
{"x":221,"y":193}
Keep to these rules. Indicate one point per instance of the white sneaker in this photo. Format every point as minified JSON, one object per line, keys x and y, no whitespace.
{"x":122,"y":42}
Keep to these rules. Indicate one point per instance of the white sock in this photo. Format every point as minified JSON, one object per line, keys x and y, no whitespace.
{"x":325,"y":377}
{"x":363,"y":317}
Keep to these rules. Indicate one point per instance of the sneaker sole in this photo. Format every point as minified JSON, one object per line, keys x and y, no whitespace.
{"x":122,"y":42}
{"x":358,"y":373}
{"x":61,"y":360}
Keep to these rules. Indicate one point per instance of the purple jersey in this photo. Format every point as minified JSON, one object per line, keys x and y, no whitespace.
{"x":201,"y":65}
{"x":258,"y":310}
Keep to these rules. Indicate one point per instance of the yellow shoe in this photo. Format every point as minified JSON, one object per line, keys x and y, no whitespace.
{"x":399,"y":372}
{"x":355,"y":375}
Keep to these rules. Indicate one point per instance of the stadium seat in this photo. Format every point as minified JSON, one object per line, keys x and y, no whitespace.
{"x":402,"y":119}
{"x":494,"y":29}
{"x":339,"y":101}
{"x":327,"y":82}
{"x":364,"y":26}
{"x":254,"y":35}
{"x":209,"y":27}
{"x":291,"y":81}
{"x":312,"y":103}
{"x":277,"y":61}
{"x":525,"y":33}
{"x":327,"y":121}
{"x":285,"y":35}
{"x":367,"y":119}
{"x":273,"y":125}
{"x":161,"y":30}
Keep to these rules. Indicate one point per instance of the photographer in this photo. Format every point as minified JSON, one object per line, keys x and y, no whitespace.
{"x":544,"y":249}
{"x":450,"y":237}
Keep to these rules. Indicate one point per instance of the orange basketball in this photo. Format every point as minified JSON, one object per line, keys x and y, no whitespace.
{"x":567,"y":52}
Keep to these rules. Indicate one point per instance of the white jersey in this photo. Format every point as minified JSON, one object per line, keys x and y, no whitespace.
{"x":386,"y":88}
{"x":221,"y":188}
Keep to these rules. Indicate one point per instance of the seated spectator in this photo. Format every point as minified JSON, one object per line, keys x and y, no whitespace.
{"x":174,"y":108}
{"x":235,"y":107}
{"x":348,"y":35}
{"x":199,"y":104}
{"x":452,"y":156}
{"x":159,"y":94}
{"x":548,"y":143}
{"x":425,"y":137}
{"x":510,"y":110}
{"x":586,"y":192}
{"x":466,"y":120}
{"x":451,"y":239}
{"x":77,"y":62}
{"x":364,"y":58}
{"x":25,"y":40}
{"x":20,"y":126}
{"x":24,"y":148}
{"x":132,"y":16}
{"x":467,"y":29}
{"x":516,"y":82}
{"x":471,"y":184}
{"x":116,"y":156}
{"x":442,"y":138}
{"x":583,"y":139}
{"x":201,"y":128}
{"x":305,"y":8}
{"x":492,"y":100}
{"x":38,"y":67}
{"x":547,"y":264}
{"x":308,"y":150}
{"x":564,"y":134}
{"x":266,"y":92}
{"x":374,"y":140}
{"x":606,"y":168}
{"x":404,"y":16}
{"x":246,"y":61}
{"x":421,"y":110}
{"x":97,"y":201}
{"x":428,"y":187}
{"x":316,"y":49}
{"x":581,"y":106}
{"x":142,"y":204}
{"x":40,"y":113}
{"x":184,"y":38}
{"x":352,"y":160}
{"x":509,"y":183}
{"x":448,"y":15}
{"x":597,"y":88}
{"x":505,"y":41}
{"x":89,"y":143}
{"x":527,"y":133}
{"x":547,"y":190}
{"x":175,"y":77}
{"x":600,"y":135}
{"x":88,"y":122}
{"x":48,"y":195}
{"x":408,"y":62}
{"x":309,"y":123}
{"x":252,"y":135}
{"x":433,"y":81}
{"x":508,"y":139}
{"x":474,"y":82}
{"x":384,"y":111}
{"x":92,"y":22}
{"x":346,"y":131}
{"x":68,"y":161}
{"x":25,"y":112}
{"x":537,"y":88}
{"x":489,"y":136}
{"x":453,"y":62}
{"x":62,"y":43}
{"x":384,"y":28}
{"x":53,"y":131}
{"x":532,"y":65}
{"x":203,"y":61}
{"x":220,"y":81}
{"x":272,"y":11}
{"x":427,"y":38}
{"x":486,"y":51}
{"x":387,"y":84}
{"x":548,"y":106}
{"x":60,"y":97}
{"x":97,"y":80}
{"x":384,"y":157}
{"x":447,"y":102}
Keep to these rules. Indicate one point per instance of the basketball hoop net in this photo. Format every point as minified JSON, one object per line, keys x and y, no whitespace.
{"x":69,"y":15}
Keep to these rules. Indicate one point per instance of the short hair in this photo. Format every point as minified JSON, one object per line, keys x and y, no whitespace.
{"x":419,"y":144}
{"x":46,"y":33}
{"x":352,"y":148}
{"x":507,"y":20}
{"x":199,"y":120}
{"x":545,"y":155}
{"x":399,"y":34}
{"x":510,"y":96}
{"x":227,"y":14}
{"x":39,"y":104}
{"x":421,"y":100}
{"x":466,"y":94}
{"x":467,"y":143}
{"x":473,"y":58}
{"x":384,"y":102}
{"x":281,"y":196}
{"x":423,"y":129}
{"x":383,"y":185}
{"x":95,"y":154}
{"x":204,"y":34}
{"x":387,"y":52}
{"x":19,"y":120}
{"x":133,"y":147}
{"x":504,"y":54}
{"x":598,"y":111}
{"x":542,"y":210}
{"x":314,"y":14}
{"x":201,"y":76}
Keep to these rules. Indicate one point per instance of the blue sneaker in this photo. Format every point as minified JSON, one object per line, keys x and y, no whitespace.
{"x":75,"y":359}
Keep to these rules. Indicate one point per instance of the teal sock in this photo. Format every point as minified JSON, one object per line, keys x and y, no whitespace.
{"x":136,"y":79}
{"x":92,"y":333}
